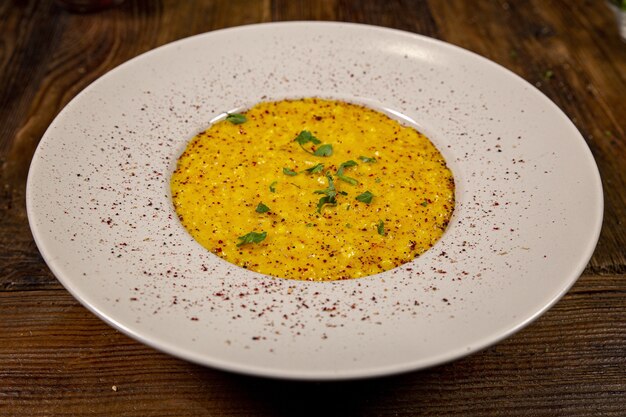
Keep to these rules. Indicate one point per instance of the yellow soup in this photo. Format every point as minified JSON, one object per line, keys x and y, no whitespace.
{"x":313,"y":189}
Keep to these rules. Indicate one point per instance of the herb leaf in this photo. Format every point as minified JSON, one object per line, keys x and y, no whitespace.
{"x":273,"y":186}
{"x":365,"y":197}
{"x":424,"y":203}
{"x":325,"y":200}
{"x":347,"y":179}
{"x":330,"y":197}
{"x":330,"y":191}
{"x":367,"y":159}
{"x":305,"y":137}
{"x":324,"y":150}
{"x":252,"y":237}
{"x":236,"y":118}
{"x":345,"y":165}
{"x":342,"y":177}
{"x":290,"y":172}
{"x":315,"y":169}
{"x":381,"y":228}
{"x":262,"y":208}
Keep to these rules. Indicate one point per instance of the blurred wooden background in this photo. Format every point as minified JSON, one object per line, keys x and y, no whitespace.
{"x":56,"y":358}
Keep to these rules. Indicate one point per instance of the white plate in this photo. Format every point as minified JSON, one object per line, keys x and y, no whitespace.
{"x":528,"y":214}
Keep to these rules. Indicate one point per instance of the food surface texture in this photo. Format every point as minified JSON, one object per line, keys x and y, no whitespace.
{"x":313,"y":189}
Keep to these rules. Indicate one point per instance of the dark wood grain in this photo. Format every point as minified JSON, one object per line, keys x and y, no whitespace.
{"x":67,"y":356}
{"x":56,"y":358}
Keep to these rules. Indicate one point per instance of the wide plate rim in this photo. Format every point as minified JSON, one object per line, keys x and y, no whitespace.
{"x":298,"y":374}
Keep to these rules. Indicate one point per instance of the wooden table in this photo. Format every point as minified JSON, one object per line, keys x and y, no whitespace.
{"x":56,"y":358}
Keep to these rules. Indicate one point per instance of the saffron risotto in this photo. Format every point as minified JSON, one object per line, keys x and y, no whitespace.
{"x":313,"y":189}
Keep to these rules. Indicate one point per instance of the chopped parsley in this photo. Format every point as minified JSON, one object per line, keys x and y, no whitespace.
{"x":252,"y":237}
{"x":273,"y":186}
{"x":367,"y":159}
{"x":305,"y":137}
{"x":330,"y":194}
{"x":346,"y":164}
{"x":315,"y":169}
{"x":262,"y":208}
{"x":324,"y":150}
{"x":366,"y":197}
{"x":342,"y":177}
{"x":381,"y":228}
{"x":236,"y":118}
{"x":290,"y":172}
{"x":424,"y":203}
{"x":347,"y":179}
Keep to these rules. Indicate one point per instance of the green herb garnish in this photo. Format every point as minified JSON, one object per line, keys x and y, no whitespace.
{"x":273,"y":186}
{"x":305,"y":137}
{"x":367,"y":159}
{"x":424,"y":203}
{"x":262,"y":208}
{"x":381,"y":228}
{"x":342,"y":177}
{"x":324,"y":150}
{"x":290,"y":172}
{"x":346,"y":164}
{"x":330,"y":194}
{"x":252,"y":237}
{"x":315,"y":169}
{"x":236,"y":118}
{"x":325,"y":200}
{"x":366,"y":197}
{"x":347,"y":179}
